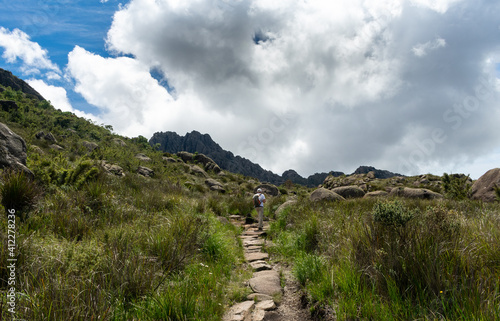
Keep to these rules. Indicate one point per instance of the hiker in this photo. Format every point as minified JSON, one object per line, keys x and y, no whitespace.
{"x":258,"y":201}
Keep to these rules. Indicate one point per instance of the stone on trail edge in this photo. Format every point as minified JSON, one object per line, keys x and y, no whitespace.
{"x":265,"y":281}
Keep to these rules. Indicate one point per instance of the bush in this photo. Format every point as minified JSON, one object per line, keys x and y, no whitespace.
{"x":392,"y":213}
{"x":18,"y":192}
{"x":456,"y":186}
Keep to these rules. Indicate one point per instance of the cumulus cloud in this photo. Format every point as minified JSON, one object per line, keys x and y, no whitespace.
{"x":17,"y":45}
{"x":58,"y":98}
{"x":314,"y":86}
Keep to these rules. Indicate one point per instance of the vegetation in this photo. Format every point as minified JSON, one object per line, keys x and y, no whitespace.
{"x":92,"y":245}
{"x":95,"y":246}
{"x":394,"y":260}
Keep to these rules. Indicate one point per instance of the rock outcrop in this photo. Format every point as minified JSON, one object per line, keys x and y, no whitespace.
{"x":421,"y":193}
{"x":12,"y":150}
{"x":268,"y":189}
{"x":484,"y":188}
{"x":323,"y":194}
{"x":7,"y":79}
{"x":352,"y":191}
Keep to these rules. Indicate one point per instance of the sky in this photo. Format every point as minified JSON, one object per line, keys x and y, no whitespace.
{"x":410,"y":86}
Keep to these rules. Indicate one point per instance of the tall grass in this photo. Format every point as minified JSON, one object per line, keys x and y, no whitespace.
{"x":395,"y":260}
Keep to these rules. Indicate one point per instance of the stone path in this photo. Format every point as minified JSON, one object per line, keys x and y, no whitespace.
{"x":265,"y":283}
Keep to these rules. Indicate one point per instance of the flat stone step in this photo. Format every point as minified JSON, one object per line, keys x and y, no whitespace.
{"x":252,"y":242}
{"x":266,"y":282}
{"x":258,"y":266}
{"x":259,"y":297}
{"x":250,"y":257}
{"x":239,"y":311}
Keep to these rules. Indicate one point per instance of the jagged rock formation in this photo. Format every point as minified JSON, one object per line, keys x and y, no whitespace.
{"x":7,"y":79}
{"x":196,"y":142}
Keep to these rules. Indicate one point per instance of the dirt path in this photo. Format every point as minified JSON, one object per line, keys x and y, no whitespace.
{"x":270,"y":301}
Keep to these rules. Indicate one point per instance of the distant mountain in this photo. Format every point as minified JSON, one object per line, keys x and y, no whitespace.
{"x":7,"y":79}
{"x":382,"y":174}
{"x":194,"y":142}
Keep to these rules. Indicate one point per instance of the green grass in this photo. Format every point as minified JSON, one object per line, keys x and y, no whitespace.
{"x":395,"y":260}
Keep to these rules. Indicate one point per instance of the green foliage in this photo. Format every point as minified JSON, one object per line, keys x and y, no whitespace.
{"x":18,"y":192}
{"x":456,"y":186}
{"x":308,"y":268}
{"x":392,"y":213}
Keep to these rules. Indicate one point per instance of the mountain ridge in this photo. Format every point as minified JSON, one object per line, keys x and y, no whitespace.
{"x":195,"y":142}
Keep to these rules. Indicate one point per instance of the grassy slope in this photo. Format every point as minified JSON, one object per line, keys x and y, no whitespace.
{"x":98,"y":246}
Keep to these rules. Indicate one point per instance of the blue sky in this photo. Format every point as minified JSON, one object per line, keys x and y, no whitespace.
{"x":411,"y":86}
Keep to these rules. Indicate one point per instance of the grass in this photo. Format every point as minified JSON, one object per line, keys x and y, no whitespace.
{"x":395,"y":260}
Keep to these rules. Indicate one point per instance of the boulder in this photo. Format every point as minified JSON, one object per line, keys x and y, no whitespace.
{"x":145,"y":171}
{"x":285,"y":205}
{"x":215,"y":185}
{"x":349,"y":191}
{"x":268,"y":189}
{"x":13,"y":150}
{"x":56,"y":147}
{"x":325,"y":194}
{"x":197,"y":170}
{"x":207,"y":162}
{"x":266,"y":282}
{"x":421,"y":193}
{"x":185,"y":156}
{"x":46,"y":136}
{"x":142,"y":157}
{"x":113,"y":169}
{"x":90,"y":146}
{"x":169,"y":159}
{"x":376,"y":194}
{"x":119,"y":142}
{"x":484,"y":188}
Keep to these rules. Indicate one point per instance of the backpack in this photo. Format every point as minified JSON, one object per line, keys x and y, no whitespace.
{"x":256,"y":200}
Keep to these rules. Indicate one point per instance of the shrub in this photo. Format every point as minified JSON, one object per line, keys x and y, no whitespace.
{"x":456,"y":186}
{"x":392,"y":213}
{"x":18,"y":192}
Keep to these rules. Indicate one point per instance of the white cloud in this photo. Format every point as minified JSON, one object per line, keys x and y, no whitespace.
{"x":17,"y":45}
{"x":132,"y":101}
{"x":344,"y":73}
{"x":58,"y":97}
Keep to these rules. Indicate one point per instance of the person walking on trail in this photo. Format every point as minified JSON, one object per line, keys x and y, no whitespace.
{"x":258,"y":201}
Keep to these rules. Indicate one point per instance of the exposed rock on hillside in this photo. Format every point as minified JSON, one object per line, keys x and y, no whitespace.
{"x":12,"y":150}
{"x":145,"y":171}
{"x":7,"y":79}
{"x":421,"y":193}
{"x":46,"y":136}
{"x":484,"y":188}
{"x":325,"y":194}
{"x":195,"y":142}
{"x":349,"y":191}
{"x":376,"y":194}
{"x":8,"y":105}
{"x":268,"y":189}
